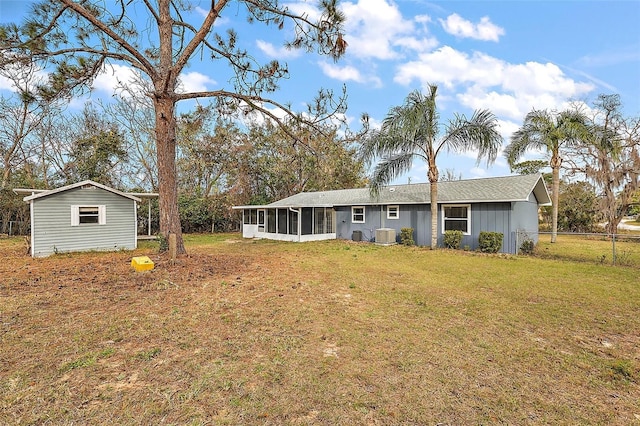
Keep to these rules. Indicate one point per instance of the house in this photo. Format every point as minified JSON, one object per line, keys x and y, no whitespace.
{"x":508,"y":205}
{"x":80,"y":217}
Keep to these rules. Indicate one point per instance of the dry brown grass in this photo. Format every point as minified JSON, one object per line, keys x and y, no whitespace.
{"x":330,"y":333}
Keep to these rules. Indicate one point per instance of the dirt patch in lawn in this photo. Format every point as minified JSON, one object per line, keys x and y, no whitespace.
{"x":266,"y":333}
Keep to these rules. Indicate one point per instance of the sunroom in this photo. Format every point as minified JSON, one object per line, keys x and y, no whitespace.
{"x":288,"y":223}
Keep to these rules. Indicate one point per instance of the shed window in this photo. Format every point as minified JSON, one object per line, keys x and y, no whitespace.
{"x":393,"y":212}
{"x":357,"y":214}
{"x":457,"y":218}
{"x":88,"y":215}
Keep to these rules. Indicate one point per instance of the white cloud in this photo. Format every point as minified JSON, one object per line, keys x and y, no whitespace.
{"x":375,"y":28}
{"x":375,"y":124}
{"x":304,"y":8}
{"x":507,"y":128}
{"x":277,"y":52}
{"x":460,"y":27}
{"x":477,"y":172}
{"x":417,"y":44}
{"x":25,"y":76}
{"x":5,"y":83}
{"x":220,"y":20}
{"x":114,"y":76}
{"x":501,"y":104}
{"x":202,"y":12}
{"x":443,"y":66}
{"x":347,"y":73}
{"x":194,"y":82}
{"x":509,"y":90}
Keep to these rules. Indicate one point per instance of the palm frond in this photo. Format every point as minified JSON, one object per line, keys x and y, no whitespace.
{"x":533,"y":134}
{"x":388,"y":169}
{"x":479,"y":133}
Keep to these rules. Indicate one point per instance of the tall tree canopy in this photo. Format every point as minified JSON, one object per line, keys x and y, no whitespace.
{"x":96,"y":149}
{"x":610,"y":158}
{"x":20,"y":118}
{"x":412,"y":130}
{"x":551,"y":131}
{"x":270,"y":168}
{"x":74,"y":40}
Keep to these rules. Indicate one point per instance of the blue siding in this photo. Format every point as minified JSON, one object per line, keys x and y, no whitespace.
{"x":525,"y":218}
{"x":492,"y":217}
{"x":410,"y":216}
{"x":489,"y":217}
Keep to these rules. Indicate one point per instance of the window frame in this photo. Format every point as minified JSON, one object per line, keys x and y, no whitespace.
{"x":76,"y":214}
{"x":397,"y":210}
{"x":353,"y":214}
{"x":445,"y":218}
{"x":250,"y":217}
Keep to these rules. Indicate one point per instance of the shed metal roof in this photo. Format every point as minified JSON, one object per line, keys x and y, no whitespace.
{"x":494,"y":189}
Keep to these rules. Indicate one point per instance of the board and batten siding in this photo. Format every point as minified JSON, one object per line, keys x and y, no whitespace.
{"x":409,"y":216}
{"x":493,"y":217}
{"x":52,"y":231}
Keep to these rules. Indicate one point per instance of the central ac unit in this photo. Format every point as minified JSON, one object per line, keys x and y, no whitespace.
{"x":385,"y":236}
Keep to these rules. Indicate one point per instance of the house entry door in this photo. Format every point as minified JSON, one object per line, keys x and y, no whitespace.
{"x":260,"y":220}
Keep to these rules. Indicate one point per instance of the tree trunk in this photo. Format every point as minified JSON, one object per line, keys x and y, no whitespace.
{"x":433,"y":189}
{"x":6,"y":174}
{"x":164,"y":105}
{"x":555,"y":189}
{"x":167,"y":182}
{"x":613,"y":219}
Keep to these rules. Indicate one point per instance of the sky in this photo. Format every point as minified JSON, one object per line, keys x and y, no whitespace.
{"x":506,"y":56}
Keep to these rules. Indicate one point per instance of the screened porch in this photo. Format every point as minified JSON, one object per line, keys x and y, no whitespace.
{"x":289,"y":224}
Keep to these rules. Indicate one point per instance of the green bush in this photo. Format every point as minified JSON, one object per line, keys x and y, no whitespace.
{"x":527,"y":246}
{"x":490,"y":242}
{"x":406,"y":237}
{"x":452,"y":239}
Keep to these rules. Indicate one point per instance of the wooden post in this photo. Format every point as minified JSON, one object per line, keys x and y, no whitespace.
{"x":172,"y":246}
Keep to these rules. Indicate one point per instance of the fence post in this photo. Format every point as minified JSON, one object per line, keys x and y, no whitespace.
{"x":10,"y":226}
{"x":613,"y":243}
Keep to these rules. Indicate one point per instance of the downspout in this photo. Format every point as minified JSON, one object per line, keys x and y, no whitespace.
{"x":32,"y":229}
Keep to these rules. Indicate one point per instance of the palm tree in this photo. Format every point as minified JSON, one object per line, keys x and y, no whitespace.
{"x":411,"y":131}
{"x":550,"y":131}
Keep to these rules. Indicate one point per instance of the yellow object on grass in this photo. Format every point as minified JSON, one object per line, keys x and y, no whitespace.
{"x":142,"y":263}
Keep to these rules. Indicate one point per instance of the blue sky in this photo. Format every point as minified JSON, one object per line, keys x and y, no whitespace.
{"x":506,"y":56}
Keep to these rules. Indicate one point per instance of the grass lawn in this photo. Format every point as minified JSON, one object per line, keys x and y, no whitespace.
{"x":325,"y":333}
{"x":592,"y":248}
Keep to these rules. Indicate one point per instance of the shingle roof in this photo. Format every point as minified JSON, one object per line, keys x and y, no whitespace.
{"x":495,"y":189}
{"x":46,"y":193}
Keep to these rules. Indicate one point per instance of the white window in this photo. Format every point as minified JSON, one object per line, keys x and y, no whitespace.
{"x":393,"y":212}
{"x":88,"y":215}
{"x":357,"y":214}
{"x":457,"y":218}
